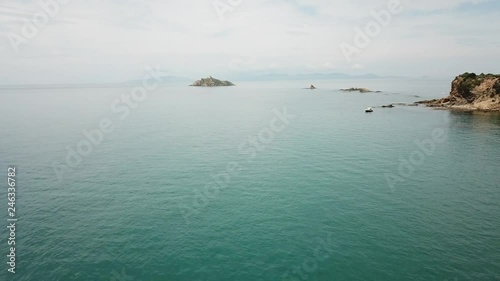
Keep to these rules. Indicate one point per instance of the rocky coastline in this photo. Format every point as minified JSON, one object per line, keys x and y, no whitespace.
{"x":471,"y":92}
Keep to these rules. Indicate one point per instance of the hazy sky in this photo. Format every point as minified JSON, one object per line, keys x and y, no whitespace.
{"x":113,"y":40}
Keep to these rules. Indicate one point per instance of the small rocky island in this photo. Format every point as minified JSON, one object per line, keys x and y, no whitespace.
{"x":211,"y":82}
{"x":471,"y":92}
{"x":361,"y":90}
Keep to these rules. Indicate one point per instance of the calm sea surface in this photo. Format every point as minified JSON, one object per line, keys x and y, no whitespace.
{"x":263,"y":181}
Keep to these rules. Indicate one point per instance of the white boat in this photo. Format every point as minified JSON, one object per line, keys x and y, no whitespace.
{"x":369,"y":109}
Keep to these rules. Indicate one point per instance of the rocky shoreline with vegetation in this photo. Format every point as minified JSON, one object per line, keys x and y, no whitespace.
{"x":211,"y":82}
{"x":471,"y":92}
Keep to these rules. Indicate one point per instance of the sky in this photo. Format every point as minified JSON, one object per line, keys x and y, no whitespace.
{"x":99,"y":41}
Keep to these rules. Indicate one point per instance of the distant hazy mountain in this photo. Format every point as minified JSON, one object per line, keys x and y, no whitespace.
{"x":311,"y":76}
{"x":129,"y":83}
{"x":164,"y":79}
{"x":233,"y":77}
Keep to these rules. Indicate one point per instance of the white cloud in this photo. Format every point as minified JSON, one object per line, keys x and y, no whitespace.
{"x":328,"y":65}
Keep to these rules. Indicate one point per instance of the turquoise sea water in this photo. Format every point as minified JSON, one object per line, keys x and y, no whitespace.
{"x":195,"y":184}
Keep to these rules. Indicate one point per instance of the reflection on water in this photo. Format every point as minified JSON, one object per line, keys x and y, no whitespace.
{"x":476,"y":121}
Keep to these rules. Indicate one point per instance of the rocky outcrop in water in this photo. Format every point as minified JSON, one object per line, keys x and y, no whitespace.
{"x":471,"y":92}
{"x":211,"y":82}
{"x":361,"y":90}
